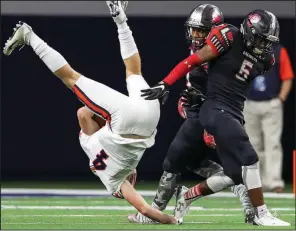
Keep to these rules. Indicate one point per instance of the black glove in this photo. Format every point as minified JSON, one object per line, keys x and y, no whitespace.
{"x":159,"y":91}
{"x":192,"y":97}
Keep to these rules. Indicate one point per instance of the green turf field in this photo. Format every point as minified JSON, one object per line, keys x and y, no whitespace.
{"x":93,"y":184}
{"x":100,"y":213}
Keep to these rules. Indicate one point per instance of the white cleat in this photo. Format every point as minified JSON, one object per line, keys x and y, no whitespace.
{"x":117,"y":10}
{"x":269,"y":220}
{"x":17,"y":39}
{"x":180,"y":191}
{"x":182,"y":206}
{"x":141,"y":219}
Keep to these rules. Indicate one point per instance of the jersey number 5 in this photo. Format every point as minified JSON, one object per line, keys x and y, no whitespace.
{"x":244,"y":71}
{"x":99,"y":163}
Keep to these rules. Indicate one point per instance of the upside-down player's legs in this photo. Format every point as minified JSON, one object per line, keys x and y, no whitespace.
{"x":91,"y":93}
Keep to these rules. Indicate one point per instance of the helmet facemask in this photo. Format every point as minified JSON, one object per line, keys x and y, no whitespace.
{"x":262,"y":46}
{"x":196,"y":36}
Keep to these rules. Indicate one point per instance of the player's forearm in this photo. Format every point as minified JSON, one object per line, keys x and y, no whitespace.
{"x":285,"y":89}
{"x":203,"y":55}
{"x":182,"y":69}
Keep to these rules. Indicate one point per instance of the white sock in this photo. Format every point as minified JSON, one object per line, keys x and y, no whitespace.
{"x":128,"y":46}
{"x":52,"y":59}
{"x":261,"y":210}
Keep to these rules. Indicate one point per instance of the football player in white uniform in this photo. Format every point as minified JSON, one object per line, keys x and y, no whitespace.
{"x":114,"y":149}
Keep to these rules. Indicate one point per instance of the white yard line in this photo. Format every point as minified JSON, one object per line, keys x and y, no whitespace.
{"x":98,"y":224}
{"x":124,"y":215}
{"x":93,"y":192}
{"x":123,"y":208}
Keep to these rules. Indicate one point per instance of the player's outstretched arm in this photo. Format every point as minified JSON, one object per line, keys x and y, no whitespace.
{"x":128,"y":48}
{"x":161,"y":89}
{"x":134,"y":198}
{"x":201,"y":56}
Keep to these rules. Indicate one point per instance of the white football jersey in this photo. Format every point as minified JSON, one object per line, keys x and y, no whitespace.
{"x":113,"y":157}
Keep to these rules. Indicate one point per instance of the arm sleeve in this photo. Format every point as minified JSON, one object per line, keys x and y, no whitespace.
{"x":182,"y":69}
{"x":220,"y":39}
{"x":285,"y":68}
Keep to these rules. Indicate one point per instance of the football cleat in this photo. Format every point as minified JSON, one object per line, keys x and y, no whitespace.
{"x":117,"y":10}
{"x":269,"y":220}
{"x":17,"y":39}
{"x":249,"y":216}
{"x":180,"y":191}
{"x":182,"y":206}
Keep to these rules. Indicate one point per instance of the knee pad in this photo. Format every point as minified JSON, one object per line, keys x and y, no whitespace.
{"x":169,"y":167}
{"x":219,"y":181}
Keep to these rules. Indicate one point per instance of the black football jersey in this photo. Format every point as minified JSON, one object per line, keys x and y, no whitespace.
{"x":234,"y":68}
{"x":198,"y":78}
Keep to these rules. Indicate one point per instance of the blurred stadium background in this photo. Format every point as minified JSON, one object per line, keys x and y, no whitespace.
{"x":39,"y":129}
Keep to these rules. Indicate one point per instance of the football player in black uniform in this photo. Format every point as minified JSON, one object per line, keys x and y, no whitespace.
{"x":235,"y":58}
{"x":191,"y":147}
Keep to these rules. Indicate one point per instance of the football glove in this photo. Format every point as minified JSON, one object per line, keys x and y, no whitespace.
{"x":209,"y":140}
{"x":181,"y":108}
{"x":159,"y":91}
{"x":192,"y":97}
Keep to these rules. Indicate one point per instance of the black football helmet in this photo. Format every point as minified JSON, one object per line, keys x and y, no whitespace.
{"x":260,"y":31}
{"x":199,"y":23}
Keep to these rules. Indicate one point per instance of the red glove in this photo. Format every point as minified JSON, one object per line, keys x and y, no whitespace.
{"x":209,"y":140}
{"x":181,"y":108}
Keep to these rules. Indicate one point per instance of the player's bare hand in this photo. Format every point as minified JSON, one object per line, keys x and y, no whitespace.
{"x":159,"y":91}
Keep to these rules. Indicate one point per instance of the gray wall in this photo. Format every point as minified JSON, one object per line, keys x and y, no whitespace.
{"x":142,"y":8}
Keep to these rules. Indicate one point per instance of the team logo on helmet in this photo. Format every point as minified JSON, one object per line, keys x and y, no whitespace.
{"x":216,"y":17}
{"x":254,"y":18}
